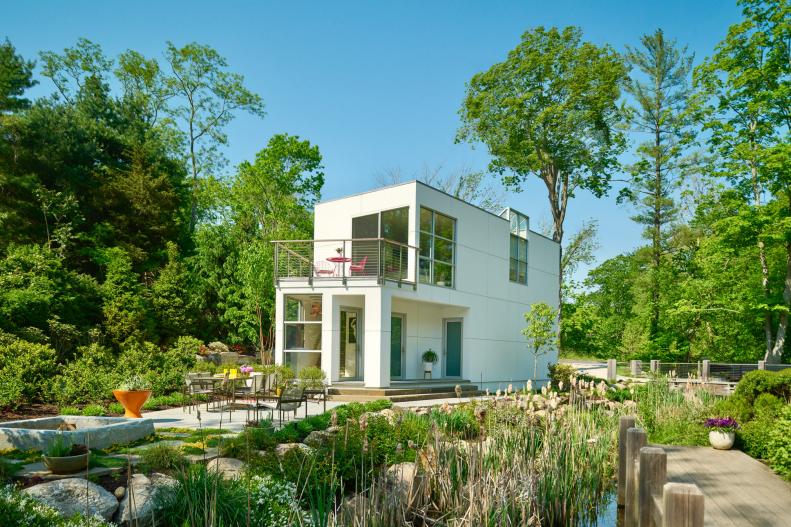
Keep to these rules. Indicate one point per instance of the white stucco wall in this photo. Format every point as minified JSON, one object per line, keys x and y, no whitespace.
{"x":492,"y":307}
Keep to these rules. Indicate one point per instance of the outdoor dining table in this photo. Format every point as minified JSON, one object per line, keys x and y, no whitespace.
{"x":338,"y":261}
{"x":220,"y":376}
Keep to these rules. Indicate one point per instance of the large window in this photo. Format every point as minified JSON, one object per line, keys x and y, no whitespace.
{"x":302,"y":331}
{"x":437,"y":248}
{"x":517,"y":269}
{"x":391,"y":225}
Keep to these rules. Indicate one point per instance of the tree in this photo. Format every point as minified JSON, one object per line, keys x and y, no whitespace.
{"x":125,"y":309}
{"x":209,"y":96}
{"x":550,"y":111}
{"x":578,"y":250}
{"x":541,"y":333}
{"x":16,"y":76}
{"x":171,"y":304}
{"x":746,"y":109}
{"x":659,"y":110}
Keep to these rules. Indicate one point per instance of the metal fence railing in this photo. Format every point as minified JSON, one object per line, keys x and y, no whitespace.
{"x":345,"y":259}
{"x":703,"y":370}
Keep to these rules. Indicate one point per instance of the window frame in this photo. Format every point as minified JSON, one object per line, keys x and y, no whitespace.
{"x":432,"y":237}
{"x":303,"y":323}
{"x":518,"y":223}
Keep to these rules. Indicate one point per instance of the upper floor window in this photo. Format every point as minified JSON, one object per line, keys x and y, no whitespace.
{"x":517,"y":268}
{"x":437,"y":248}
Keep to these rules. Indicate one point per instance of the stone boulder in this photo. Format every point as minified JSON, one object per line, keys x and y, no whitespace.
{"x":228,"y":467}
{"x":138,"y":504}
{"x":402,"y":476}
{"x":283,"y":448}
{"x":318,"y":438}
{"x":75,"y":495}
{"x":218,"y":347}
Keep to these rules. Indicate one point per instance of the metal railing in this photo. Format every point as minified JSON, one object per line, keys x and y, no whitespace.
{"x":377,"y":259}
{"x":704,"y":370}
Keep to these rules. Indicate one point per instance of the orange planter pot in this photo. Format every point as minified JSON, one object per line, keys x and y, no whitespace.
{"x":132,"y":401}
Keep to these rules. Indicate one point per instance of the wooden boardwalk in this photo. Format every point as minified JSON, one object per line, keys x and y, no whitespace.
{"x":738,"y":489}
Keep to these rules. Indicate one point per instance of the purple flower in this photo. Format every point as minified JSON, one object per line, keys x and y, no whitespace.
{"x":727,"y":424}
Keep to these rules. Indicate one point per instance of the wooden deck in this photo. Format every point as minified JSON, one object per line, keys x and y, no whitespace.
{"x":738,"y":489}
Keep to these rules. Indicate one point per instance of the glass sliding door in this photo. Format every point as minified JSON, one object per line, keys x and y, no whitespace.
{"x":365,"y":253}
{"x":397,"y":334}
{"x":302,"y":331}
{"x":395,"y":226}
{"x":351,"y":344}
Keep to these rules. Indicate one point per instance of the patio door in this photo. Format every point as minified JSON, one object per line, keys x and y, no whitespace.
{"x":351,"y":344}
{"x":397,"y":332}
{"x":452,"y":339}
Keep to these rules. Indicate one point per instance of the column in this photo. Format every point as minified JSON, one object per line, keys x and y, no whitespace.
{"x":279,"y":310}
{"x":330,"y":335}
{"x":376,"y":347}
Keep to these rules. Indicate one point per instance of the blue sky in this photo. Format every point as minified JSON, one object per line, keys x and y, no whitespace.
{"x":377,"y":85}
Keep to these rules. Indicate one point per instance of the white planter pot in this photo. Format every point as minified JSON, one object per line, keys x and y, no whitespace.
{"x":428,"y":366}
{"x":721,"y":440}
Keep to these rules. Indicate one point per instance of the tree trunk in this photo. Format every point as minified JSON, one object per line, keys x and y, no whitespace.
{"x":775,"y":354}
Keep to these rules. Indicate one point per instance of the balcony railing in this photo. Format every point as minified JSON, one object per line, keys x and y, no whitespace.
{"x":377,"y":259}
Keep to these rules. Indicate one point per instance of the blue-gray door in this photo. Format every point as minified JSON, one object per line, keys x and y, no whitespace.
{"x":452,"y":340}
{"x":396,"y":346}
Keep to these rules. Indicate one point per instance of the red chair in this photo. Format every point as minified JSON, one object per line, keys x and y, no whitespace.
{"x":359,"y":267}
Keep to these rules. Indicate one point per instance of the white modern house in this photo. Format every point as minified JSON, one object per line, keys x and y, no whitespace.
{"x":394,"y":272}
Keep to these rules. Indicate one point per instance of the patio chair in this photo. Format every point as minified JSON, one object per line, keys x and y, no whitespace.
{"x":359,"y":267}
{"x":198,"y":384}
{"x":290,"y":399}
{"x":252,"y":389}
{"x":323,"y":269}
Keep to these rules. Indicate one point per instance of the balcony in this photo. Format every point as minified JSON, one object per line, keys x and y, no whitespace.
{"x":359,"y":259}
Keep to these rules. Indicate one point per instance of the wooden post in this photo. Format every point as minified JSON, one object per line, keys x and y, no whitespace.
{"x":683,"y":504}
{"x":635,"y":440}
{"x":611,"y":372}
{"x":704,"y":372}
{"x":634,"y":367}
{"x":761,"y":364}
{"x":652,"y":477}
{"x":624,"y":423}
{"x":654,"y":366}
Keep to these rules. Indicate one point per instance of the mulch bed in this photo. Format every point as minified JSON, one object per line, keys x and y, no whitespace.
{"x":29,"y":411}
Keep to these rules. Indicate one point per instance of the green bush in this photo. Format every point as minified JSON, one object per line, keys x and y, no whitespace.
{"x":115,"y":408}
{"x":754,"y":437}
{"x":26,"y":370}
{"x":459,"y":422}
{"x":311,"y":377}
{"x":756,"y":382}
{"x":163,"y":458}
{"x":89,"y":378}
{"x":619,"y":394}
{"x":69,"y":410}
{"x":94,"y":410}
{"x":252,"y":439}
{"x":561,"y":373}
{"x":164,"y":370}
{"x":779,"y":444}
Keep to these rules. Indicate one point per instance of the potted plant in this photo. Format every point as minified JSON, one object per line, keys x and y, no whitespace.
{"x":133,"y":394}
{"x":722,"y":432}
{"x":61,"y":457}
{"x":429,"y":359}
{"x":442,"y":278}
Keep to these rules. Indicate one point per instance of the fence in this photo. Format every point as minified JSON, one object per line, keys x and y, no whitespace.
{"x":648,"y":499}
{"x":704,"y":370}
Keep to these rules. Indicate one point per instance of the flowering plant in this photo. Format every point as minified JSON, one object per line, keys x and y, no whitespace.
{"x":723,"y":424}
{"x":246,"y":369}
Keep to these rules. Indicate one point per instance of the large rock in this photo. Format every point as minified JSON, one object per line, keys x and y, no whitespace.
{"x":402,"y":476}
{"x":318,"y":438}
{"x":218,"y":347}
{"x":138,"y":504}
{"x":228,"y":467}
{"x":75,"y":495}
{"x":283,"y":448}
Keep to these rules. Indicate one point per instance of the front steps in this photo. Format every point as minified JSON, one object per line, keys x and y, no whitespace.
{"x":403,"y":391}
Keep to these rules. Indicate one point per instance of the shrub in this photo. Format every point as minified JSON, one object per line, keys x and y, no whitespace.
{"x":115,"y":408}
{"x":779,"y":444}
{"x":312,"y":378}
{"x":69,"y":410}
{"x":459,"y":422}
{"x":561,"y":373}
{"x":755,"y":383}
{"x":252,"y":439}
{"x":619,"y":394}
{"x":163,"y":458}
{"x":26,"y":370}
{"x":275,"y":503}
{"x":20,"y":509}
{"x":94,"y":410}
{"x":89,"y":378}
